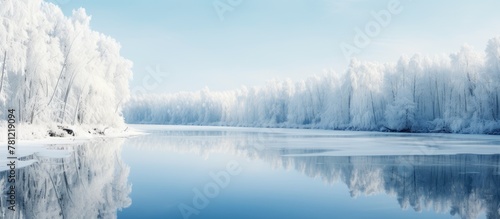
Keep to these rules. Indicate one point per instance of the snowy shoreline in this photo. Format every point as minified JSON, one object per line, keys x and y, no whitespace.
{"x":38,"y":144}
{"x":318,"y":127}
{"x":60,"y":147}
{"x":26,"y":132}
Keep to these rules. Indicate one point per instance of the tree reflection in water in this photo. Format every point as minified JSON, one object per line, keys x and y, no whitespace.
{"x":465,"y":185}
{"x":90,"y":183}
{"x":93,"y":181}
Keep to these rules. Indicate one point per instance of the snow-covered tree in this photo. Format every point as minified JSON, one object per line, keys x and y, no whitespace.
{"x":56,"y":69}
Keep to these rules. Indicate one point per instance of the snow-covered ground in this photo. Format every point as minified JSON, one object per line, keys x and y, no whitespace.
{"x":40,"y":144}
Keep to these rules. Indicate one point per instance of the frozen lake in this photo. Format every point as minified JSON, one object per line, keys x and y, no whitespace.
{"x":224,"y":172}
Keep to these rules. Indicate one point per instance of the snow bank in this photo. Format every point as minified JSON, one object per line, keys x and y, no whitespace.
{"x":44,"y":133}
{"x":458,"y":93}
{"x":34,"y":140}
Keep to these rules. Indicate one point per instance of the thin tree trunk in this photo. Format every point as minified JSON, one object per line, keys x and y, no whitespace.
{"x":3,"y":70}
{"x":58,"y":79}
{"x":79,"y":101}
{"x":75,"y":115}
{"x":349,"y":107}
{"x":33,"y":111}
{"x":62,"y":69}
{"x":495,"y":106}
{"x":373,"y":109}
{"x":20,"y":110}
{"x":66,"y":96}
{"x":414,"y":87}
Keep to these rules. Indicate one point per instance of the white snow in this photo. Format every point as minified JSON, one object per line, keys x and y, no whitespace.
{"x":53,"y":147}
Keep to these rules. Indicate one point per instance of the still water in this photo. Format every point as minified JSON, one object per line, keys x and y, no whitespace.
{"x":223,"y":172}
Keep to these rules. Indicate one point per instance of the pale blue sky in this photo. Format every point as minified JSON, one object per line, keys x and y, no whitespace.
{"x":276,"y":39}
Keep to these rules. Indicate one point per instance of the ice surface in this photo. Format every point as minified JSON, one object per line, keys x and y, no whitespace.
{"x":331,"y":142}
{"x":447,"y":173}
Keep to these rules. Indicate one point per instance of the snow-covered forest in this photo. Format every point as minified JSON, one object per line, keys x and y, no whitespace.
{"x":55,"y":69}
{"x":455,"y":93}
